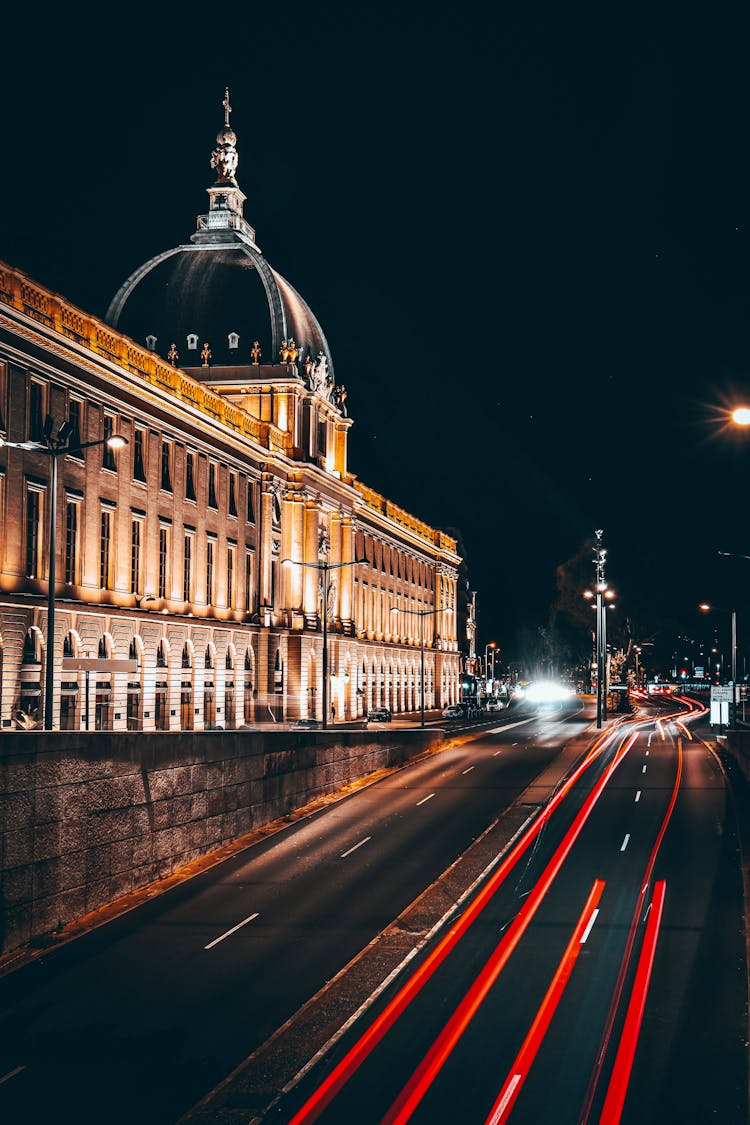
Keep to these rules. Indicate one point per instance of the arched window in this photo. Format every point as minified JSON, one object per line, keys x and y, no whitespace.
{"x":234,"y":341}
{"x":151,"y":343}
{"x":68,"y":648}
{"x":161,"y":660}
{"x":102,"y":649}
{"x":192,"y":341}
{"x":229,"y":662}
{"x":209,"y":661}
{"x":31,"y":648}
{"x":186,"y":661}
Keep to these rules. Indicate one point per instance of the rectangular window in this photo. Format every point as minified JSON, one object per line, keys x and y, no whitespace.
{"x":231,"y":550}
{"x":187,"y":569}
{"x":163,"y":560}
{"x":108,"y":455}
{"x":3,"y":395}
{"x":250,"y":502}
{"x":189,"y":476}
{"x":34,"y":530}
{"x":37,"y":409}
{"x":166,"y":465}
{"x":249,"y":582}
{"x":212,"y":502}
{"x":105,"y":549}
{"x":72,"y":541}
{"x":139,"y":455}
{"x":210,"y":544}
{"x":75,"y":417}
{"x":136,"y":556}
{"x":232,"y":502}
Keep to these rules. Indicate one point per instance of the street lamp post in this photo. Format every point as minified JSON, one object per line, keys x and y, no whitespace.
{"x":706,"y":608}
{"x":54,"y":448}
{"x":490,"y":645}
{"x":602,"y":593}
{"x":324,"y":568}
{"x":421,"y":614}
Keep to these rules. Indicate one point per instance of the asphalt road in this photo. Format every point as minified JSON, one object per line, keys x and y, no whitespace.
{"x":532,"y":1015}
{"x":141,"y":1018}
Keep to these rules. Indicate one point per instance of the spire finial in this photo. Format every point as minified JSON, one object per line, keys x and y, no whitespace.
{"x":227,"y":107}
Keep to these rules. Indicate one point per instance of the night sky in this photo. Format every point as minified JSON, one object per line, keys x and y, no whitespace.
{"x":526,"y":236}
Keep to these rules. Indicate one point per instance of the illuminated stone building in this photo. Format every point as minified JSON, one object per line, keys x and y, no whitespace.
{"x":198,"y":550}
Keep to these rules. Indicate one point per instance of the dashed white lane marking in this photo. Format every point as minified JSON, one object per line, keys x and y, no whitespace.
{"x":359,"y":845}
{"x":590,"y":926}
{"x":233,"y":930}
{"x":644,"y":769}
{"x":467,"y":771}
{"x":429,"y":798}
{"x":647,"y":753}
{"x":498,"y":752}
{"x":497,"y":1115}
{"x":11,"y":1074}
{"x":649,"y":738}
{"x":638,"y":796}
{"x":625,"y":842}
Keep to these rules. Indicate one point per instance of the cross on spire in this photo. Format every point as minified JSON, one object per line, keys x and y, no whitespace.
{"x":227,"y":107}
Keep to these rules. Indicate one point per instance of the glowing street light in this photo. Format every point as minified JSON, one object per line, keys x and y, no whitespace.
{"x":55,"y":447}
{"x":741,"y":416}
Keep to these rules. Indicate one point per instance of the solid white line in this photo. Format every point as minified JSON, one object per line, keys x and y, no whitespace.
{"x":359,"y":845}
{"x":467,"y":771}
{"x":625,"y":842}
{"x":11,"y":1074}
{"x":233,"y":930}
{"x":643,"y":770}
{"x":496,"y":1116}
{"x":590,"y":925}
{"x":425,"y":799}
{"x":638,"y":796}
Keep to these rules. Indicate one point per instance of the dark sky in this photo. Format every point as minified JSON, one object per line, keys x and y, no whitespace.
{"x":526,"y":236}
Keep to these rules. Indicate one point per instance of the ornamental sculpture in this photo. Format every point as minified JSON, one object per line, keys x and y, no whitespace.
{"x":224,"y":157}
{"x":173,"y":355}
{"x":284,"y":351}
{"x":293,"y":351}
{"x":256,"y":353}
{"x":206,"y":355}
{"x":321,"y":379}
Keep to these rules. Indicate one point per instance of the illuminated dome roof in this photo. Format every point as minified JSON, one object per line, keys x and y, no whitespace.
{"x":218,"y":289}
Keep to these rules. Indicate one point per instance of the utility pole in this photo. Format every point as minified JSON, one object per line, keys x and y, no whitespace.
{"x":600,"y":555}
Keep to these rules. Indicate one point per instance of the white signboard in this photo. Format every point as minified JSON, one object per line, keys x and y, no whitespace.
{"x":721,"y":693}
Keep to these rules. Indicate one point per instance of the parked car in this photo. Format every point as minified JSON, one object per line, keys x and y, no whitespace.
{"x":379,"y":715}
{"x":306,"y":724}
{"x":493,"y":705}
{"x":454,"y":711}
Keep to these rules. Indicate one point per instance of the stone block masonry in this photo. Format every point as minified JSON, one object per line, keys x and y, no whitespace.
{"x":88,"y":817}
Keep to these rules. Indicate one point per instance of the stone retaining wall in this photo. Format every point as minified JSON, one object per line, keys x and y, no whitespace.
{"x":88,"y":817}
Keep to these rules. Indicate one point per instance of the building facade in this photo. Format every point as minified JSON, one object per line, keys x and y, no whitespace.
{"x":203,"y":549}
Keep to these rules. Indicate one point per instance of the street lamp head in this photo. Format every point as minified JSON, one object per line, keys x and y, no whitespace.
{"x":588,"y":593}
{"x":705,"y":607}
{"x":117,"y":441}
{"x":741,"y":416}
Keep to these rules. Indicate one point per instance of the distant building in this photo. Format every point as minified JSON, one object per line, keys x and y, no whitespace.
{"x":198,"y":550}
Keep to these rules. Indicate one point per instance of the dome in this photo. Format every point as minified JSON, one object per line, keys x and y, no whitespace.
{"x":217,"y":289}
{"x":211,"y":292}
